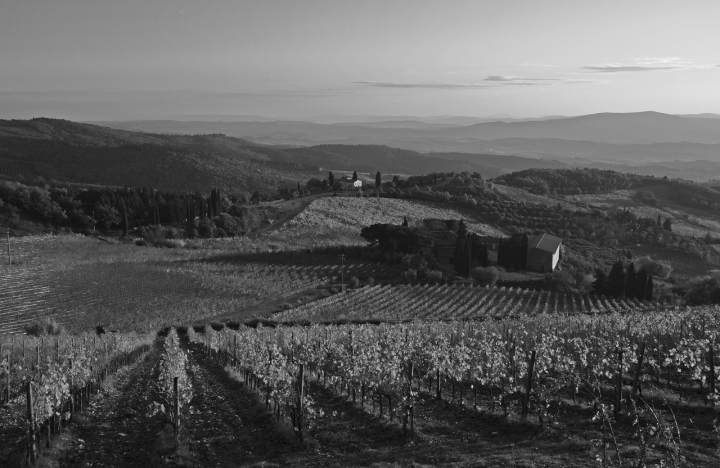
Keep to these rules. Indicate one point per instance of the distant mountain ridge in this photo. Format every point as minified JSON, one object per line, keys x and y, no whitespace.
{"x":86,"y":153}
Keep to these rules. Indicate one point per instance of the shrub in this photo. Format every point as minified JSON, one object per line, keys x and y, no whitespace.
{"x":656,"y":268}
{"x":45,"y":327}
{"x":434,"y":276}
{"x":354,"y":282}
{"x":563,"y":277}
{"x":409,"y":276}
{"x":486,"y":276}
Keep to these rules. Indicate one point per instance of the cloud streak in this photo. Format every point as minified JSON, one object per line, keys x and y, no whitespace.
{"x":647,"y":64}
{"x":502,"y":78}
{"x":625,"y":68}
{"x":423,"y":85}
{"x":495,"y":82}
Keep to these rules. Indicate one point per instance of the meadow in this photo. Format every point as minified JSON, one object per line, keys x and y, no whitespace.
{"x":338,"y":220}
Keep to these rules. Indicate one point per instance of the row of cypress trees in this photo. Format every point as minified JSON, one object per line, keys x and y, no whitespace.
{"x":629,"y":283}
{"x":469,"y":250}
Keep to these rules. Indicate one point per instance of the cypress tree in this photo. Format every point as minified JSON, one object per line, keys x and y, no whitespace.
{"x":501,"y":253}
{"x":124,"y":216}
{"x":405,"y":222}
{"x":331,"y":179}
{"x":600,"y":283}
{"x":616,"y":280}
{"x":649,"y":289}
{"x":484,"y":256}
{"x":378,"y":179}
{"x":463,"y":253}
{"x":524,"y":251}
{"x":640,"y":282}
{"x":354,"y":177}
{"x":630,"y":279}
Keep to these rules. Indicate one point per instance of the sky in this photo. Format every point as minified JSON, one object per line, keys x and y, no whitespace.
{"x":134,"y":59}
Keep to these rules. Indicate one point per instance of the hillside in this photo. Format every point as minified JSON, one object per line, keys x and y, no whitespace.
{"x":643,"y":142}
{"x":73,"y":152}
{"x":86,"y":153}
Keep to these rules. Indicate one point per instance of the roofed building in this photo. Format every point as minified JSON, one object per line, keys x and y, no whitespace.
{"x":543,"y":253}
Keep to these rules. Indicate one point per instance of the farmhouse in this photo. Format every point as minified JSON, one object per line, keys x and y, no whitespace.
{"x":543,"y":253}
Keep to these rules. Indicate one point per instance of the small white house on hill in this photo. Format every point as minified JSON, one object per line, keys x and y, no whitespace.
{"x":543,"y":253}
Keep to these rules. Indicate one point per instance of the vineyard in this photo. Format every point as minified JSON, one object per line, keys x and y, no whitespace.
{"x":460,"y":302}
{"x":82,"y":283}
{"x":44,"y":381}
{"x":616,"y":364}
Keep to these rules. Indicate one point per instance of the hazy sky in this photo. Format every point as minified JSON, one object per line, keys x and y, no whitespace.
{"x":119,"y":59}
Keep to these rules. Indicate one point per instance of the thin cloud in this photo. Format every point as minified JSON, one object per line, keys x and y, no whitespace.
{"x":498,"y":81}
{"x":647,"y":64}
{"x":423,"y":85}
{"x":626,"y":68}
{"x":502,"y":78}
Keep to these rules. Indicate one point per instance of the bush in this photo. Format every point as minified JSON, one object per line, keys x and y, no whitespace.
{"x":354,"y":282}
{"x":434,"y":276}
{"x":486,"y":276}
{"x":45,"y":327}
{"x":563,"y":277}
{"x":702,"y":290}
{"x":409,"y":276}
{"x":656,"y":268}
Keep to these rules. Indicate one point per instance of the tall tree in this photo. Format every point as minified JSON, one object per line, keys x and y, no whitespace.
{"x":378,"y":179}
{"x":354,"y":177}
{"x":405,"y":222}
{"x":524,"y":251}
{"x":124,"y":215}
{"x":649,"y":289}
{"x":659,"y":221}
{"x":640,"y":283}
{"x":484,"y":256}
{"x":600,"y":283}
{"x":616,"y":280}
{"x":331,"y":179}
{"x":630,"y":279}
{"x":667,"y":225}
{"x":501,"y":254}
{"x":463,"y":252}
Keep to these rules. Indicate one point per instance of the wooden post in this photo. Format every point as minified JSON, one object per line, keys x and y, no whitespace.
{"x":411,"y":399}
{"x":438,"y":394}
{"x":8,"y":247}
{"x":72,"y":397}
{"x":636,"y":380}
{"x":528,"y":387}
{"x":267,"y":394}
{"x":618,"y":384}
{"x":300,"y":410}
{"x":31,"y":419}
{"x":712,"y":369}
{"x":176,"y":410}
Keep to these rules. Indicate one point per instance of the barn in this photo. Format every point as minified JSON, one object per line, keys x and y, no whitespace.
{"x":543,"y":253}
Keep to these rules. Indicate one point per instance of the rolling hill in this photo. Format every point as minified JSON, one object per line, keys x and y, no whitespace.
{"x":632,"y":139}
{"x":87,"y":153}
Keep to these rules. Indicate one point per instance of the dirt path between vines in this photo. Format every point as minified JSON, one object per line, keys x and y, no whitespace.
{"x":113,"y":430}
{"x":229,"y":427}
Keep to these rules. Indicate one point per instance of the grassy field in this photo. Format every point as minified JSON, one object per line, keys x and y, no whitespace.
{"x":686,"y":221}
{"x":337,"y":220}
